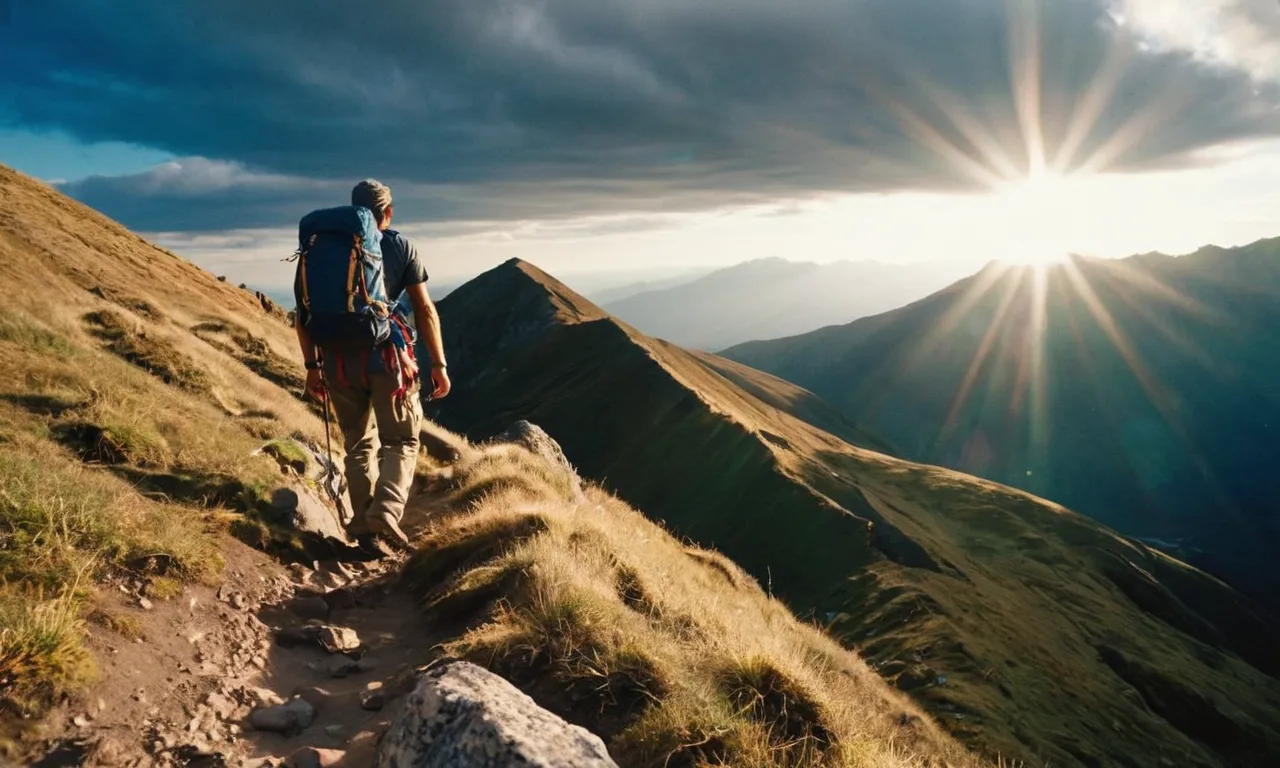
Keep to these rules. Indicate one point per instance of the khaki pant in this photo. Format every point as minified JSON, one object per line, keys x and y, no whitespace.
{"x":377,"y":494}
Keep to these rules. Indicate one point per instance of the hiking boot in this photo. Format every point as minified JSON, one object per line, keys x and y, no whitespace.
{"x":372,"y":546}
{"x":390,"y":533}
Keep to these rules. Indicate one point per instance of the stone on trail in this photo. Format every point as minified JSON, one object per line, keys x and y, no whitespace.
{"x":307,"y":512}
{"x":290,"y":637}
{"x":536,"y":440}
{"x":339,"y":639}
{"x":295,"y":715}
{"x":347,"y":668}
{"x":373,"y":700}
{"x":314,"y":757}
{"x":463,"y":716}
{"x":309,"y":607}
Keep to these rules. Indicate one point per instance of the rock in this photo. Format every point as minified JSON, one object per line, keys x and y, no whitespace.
{"x":314,"y":757}
{"x":315,"y":696}
{"x":335,"y":731}
{"x":299,"y":573}
{"x":145,"y":603}
{"x":339,"y":639}
{"x":291,"y":717}
{"x":341,"y":599}
{"x":80,"y":721}
{"x":310,"y":607}
{"x":221,"y":705}
{"x":290,"y":637}
{"x":329,"y":580}
{"x":109,"y":751}
{"x":373,"y":701}
{"x":345,"y":668}
{"x":264,"y":697}
{"x":463,"y":716}
{"x":536,"y":440}
{"x":300,"y":507}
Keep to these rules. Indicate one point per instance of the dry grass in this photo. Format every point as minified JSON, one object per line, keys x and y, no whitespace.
{"x":61,"y":526}
{"x":41,"y":656}
{"x":150,"y":352}
{"x":671,"y":653}
{"x":128,"y":440}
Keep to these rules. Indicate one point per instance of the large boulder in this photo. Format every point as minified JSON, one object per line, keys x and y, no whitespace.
{"x":536,"y":440}
{"x":463,"y":716}
{"x":301,"y":508}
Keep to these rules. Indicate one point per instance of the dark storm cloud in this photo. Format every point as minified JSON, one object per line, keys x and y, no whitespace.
{"x":555,"y":107}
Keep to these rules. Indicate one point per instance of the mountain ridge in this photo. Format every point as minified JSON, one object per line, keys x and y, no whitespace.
{"x":1148,"y":376}
{"x":893,"y":556}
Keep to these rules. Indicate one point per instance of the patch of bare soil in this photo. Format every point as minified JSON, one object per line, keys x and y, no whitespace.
{"x":278,"y":666}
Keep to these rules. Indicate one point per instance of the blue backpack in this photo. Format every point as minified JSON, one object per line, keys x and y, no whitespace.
{"x":339,"y":280}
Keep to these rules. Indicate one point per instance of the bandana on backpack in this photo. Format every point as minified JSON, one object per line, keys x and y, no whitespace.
{"x":398,"y":357}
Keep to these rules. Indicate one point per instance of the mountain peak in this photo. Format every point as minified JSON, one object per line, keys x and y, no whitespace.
{"x":509,"y":305}
{"x":519,"y":279}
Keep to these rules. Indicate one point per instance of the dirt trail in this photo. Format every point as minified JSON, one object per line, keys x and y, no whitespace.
{"x":181,"y":677}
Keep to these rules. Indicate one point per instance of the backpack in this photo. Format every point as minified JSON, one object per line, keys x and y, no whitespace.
{"x":339,"y":278}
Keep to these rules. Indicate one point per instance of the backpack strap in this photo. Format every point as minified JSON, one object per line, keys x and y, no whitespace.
{"x":302,"y":271}
{"x":351,"y":275}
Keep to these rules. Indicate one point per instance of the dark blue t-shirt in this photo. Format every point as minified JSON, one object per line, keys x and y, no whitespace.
{"x":401,"y":266}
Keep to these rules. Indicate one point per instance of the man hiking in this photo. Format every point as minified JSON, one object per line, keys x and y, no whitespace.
{"x":352,"y":270}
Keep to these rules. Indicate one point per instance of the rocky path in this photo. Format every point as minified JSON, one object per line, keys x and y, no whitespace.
{"x":279,"y":666}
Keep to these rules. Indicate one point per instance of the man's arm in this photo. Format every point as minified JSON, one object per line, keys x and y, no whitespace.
{"x":427,"y":319}
{"x":310,"y":357}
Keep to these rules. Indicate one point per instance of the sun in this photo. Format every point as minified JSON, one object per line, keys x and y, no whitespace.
{"x":1042,"y":214}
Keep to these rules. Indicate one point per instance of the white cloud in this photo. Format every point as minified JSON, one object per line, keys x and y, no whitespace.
{"x":1241,"y":34}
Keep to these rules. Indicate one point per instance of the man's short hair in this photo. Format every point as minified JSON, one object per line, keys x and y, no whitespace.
{"x":372,"y":194}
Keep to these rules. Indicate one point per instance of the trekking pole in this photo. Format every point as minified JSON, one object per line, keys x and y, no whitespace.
{"x":331,"y":467}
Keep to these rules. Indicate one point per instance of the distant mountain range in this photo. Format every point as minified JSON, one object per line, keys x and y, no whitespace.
{"x":1026,"y":629}
{"x":1144,"y":392}
{"x":769,"y":298}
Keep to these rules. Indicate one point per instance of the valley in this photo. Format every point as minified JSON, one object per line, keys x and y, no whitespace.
{"x":1142,"y":392}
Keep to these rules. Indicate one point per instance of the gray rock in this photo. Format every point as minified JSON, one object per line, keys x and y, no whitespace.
{"x":291,"y":717}
{"x":305,"y":511}
{"x":290,"y":637}
{"x":536,"y":440}
{"x":299,"y":573}
{"x":317,"y":697}
{"x":314,"y":757}
{"x":339,"y":639}
{"x":463,"y":716}
{"x":310,"y":607}
{"x":347,"y":668}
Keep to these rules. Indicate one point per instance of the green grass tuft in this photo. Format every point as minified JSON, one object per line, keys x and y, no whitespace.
{"x":41,"y":654}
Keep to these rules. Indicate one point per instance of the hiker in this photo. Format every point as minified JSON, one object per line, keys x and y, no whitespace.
{"x":359,"y":353}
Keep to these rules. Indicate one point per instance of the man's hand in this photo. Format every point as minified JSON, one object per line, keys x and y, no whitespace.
{"x":315,"y":386}
{"x":440,"y":378}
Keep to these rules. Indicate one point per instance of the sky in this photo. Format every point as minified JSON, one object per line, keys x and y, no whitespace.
{"x":637,"y":137}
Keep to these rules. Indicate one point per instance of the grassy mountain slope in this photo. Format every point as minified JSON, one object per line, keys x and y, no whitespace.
{"x":668,"y":651}
{"x":768,"y":298}
{"x":1143,"y":392}
{"x":1028,"y":630}
{"x":136,"y":393}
